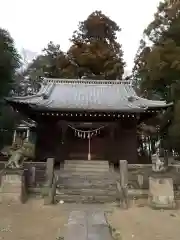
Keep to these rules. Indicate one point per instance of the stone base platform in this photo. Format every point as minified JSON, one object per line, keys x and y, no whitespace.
{"x":161,"y":193}
{"x":13,"y":187}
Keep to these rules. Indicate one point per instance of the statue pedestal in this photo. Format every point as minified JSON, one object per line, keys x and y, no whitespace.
{"x":12,"y":186}
{"x":161,"y":194}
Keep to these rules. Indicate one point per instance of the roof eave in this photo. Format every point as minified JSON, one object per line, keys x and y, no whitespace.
{"x":39,"y":107}
{"x":166,"y":105}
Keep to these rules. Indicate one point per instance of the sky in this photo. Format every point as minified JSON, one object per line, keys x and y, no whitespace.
{"x":33,"y":23}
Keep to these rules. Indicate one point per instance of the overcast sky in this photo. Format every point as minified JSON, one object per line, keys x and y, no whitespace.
{"x":33,"y":23}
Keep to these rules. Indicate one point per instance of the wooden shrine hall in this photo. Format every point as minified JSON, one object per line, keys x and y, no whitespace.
{"x":86,"y":119}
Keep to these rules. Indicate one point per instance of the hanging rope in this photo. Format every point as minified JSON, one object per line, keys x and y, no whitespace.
{"x":86,"y":133}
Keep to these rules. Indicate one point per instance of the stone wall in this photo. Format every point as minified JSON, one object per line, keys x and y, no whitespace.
{"x":138,"y":175}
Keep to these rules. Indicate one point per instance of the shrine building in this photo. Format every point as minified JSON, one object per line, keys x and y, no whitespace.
{"x":86,"y":119}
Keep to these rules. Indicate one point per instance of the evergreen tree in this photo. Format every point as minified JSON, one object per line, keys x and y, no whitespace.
{"x":157,"y":65}
{"x":9,"y":63}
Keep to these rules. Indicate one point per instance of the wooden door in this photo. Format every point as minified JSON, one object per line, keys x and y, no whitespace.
{"x":78,"y":148}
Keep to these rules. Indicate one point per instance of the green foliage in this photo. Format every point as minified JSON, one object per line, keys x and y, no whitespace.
{"x":173,"y":131}
{"x":9,"y":63}
{"x":95,"y":50}
{"x":94,"y":53}
{"x":97,"y":26}
{"x":8,"y":119}
{"x":45,"y":63}
{"x":51,"y":63}
{"x":157,"y":65}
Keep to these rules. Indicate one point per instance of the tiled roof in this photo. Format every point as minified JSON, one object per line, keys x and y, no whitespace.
{"x":92,"y":95}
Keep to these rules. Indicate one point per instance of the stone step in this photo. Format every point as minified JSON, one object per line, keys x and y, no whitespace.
{"x":86,"y":192}
{"x":71,"y":173}
{"x":87,"y":165}
{"x":86,"y":185}
{"x":84,"y":166}
{"x":83,"y":176}
{"x":85,"y":180}
{"x":85,"y":169}
{"x":84,"y":199}
{"x":65,"y":174}
{"x":94,"y":191}
{"x":92,"y":162}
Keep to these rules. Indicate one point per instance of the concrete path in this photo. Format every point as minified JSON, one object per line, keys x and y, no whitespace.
{"x":87,"y":225}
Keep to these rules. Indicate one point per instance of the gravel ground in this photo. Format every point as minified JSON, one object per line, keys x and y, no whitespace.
{"x":32,"y":220}
{"x":143,"y":223}
{"x":35,"y":221}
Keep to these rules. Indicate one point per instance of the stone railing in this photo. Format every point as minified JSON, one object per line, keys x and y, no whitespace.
{"x":36,"y":173}
{"x":33,"y":178}
{"x":138,"y":175}
{"x":135,"y":180}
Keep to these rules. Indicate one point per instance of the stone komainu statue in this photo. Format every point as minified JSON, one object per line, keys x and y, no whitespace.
{"x":20,"y":155}
{"x":157,"y":164}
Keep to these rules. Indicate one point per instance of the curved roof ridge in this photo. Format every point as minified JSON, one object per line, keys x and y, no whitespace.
{"x":85,"y":81}
{"x":44,"y":91}
{"x":63,"y":94}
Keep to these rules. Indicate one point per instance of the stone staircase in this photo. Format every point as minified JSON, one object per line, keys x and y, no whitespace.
{"x":86,"y":182}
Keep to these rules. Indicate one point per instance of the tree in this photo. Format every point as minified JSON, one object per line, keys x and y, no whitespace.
{"x":9,"y":63}
{"x":95,"y":52}
{"x":51,"y":63}
{"x":157,"y":65}
{"x":28,"y":79}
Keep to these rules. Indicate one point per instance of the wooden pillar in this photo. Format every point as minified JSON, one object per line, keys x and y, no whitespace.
{"x":27,"y":134}
{"x":127,"y":142}
{"x":48,"y":140}
{"x":39,"y":147}
{"x":14,"y":136}
{"x":166,"y":158}
{"x":111,"y":144}
{"x":64,"y":144}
